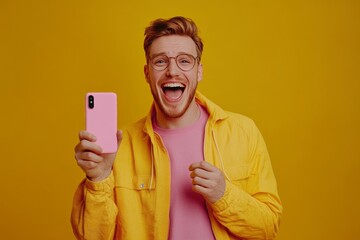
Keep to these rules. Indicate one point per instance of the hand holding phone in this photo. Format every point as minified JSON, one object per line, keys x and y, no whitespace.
{"x":96,"y":165}
{"x":96,"y":151}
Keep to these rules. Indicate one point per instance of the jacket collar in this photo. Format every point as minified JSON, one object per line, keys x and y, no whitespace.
{"x":216,"y":113}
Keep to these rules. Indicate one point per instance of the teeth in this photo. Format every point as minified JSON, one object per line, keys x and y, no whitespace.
{"x":173,"y":85}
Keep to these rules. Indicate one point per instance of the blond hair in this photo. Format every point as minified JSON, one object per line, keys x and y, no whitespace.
{"x":173,"y":26}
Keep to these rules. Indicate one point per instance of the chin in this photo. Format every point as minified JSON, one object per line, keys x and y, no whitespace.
{"x":173,"y":113}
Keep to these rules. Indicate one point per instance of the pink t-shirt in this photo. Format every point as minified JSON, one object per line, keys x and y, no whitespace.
{"x":188,"y":215}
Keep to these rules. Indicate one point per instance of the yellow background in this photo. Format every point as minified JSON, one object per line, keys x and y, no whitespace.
{"x":292,"y":66}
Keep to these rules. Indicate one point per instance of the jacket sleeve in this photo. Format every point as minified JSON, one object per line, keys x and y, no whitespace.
{"x":252,"y":210}
{"x":94,"y":211}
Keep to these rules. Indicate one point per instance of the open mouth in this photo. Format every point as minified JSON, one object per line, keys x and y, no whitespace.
{"x":173,"y":91}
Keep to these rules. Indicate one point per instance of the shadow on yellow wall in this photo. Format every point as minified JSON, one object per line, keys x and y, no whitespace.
{"x":292,"y":67}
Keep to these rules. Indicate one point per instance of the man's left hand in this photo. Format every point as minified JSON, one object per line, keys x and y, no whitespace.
{"x":207,"y":180}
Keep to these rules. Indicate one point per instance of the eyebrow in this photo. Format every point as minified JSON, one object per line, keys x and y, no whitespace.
{"x":163,"y":53}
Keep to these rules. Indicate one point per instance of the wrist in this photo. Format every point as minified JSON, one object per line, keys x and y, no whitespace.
{"x":105,"y":185}
{"x":99,"y":178}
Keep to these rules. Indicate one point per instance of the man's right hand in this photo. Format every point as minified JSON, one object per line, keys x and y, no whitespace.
{"x":96,"y":165}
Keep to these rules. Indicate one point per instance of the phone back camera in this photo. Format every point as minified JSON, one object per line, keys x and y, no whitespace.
{"x":91,"y":101}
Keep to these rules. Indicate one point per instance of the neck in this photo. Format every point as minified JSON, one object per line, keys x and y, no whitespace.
{"x":190,"y":116}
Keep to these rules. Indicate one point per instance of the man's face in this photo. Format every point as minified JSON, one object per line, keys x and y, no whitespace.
{"x":173,"y":89}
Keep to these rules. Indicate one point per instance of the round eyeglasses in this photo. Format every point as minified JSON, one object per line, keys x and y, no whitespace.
{"x":185,"y":62}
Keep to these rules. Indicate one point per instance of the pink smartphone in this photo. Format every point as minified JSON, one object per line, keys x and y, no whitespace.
{"x":101,"y":119}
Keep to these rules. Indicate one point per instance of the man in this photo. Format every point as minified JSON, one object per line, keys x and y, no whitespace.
{"x":188,"y":170}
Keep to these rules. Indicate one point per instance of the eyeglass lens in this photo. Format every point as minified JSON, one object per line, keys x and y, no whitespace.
{"x":184,"y":61}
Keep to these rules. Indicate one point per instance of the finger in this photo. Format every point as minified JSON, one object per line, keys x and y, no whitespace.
{"x":203,"y":165}
{"x":198,"y":172}
{"x":86,"y":146}
{"x":87,"y":165}
{"x":200,"y":189}
{"x":89,"y":156}
{"x":85,"y":135}
{"x":201,"y":182}
{"x":119,"y":136}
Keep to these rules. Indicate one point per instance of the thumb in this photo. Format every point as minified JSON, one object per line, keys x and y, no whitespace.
{"x":119,"y":135}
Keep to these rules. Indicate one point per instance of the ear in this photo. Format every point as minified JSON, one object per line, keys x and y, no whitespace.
{"x":200,"y":72}
{"x":146,"y":73}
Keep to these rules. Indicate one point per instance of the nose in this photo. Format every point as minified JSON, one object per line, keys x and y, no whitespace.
{"x":172,"y":69}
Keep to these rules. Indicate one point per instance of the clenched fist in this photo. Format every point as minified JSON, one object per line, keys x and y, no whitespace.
{"x":207,"y":180}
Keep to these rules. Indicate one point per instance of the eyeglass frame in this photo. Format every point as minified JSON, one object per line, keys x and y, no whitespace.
{"x":196,"y":59}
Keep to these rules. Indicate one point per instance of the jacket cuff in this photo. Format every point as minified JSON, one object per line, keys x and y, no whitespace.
{"x":106,"y":185}
{"x":232,"y":195}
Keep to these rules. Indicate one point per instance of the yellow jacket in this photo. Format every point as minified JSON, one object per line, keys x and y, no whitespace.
{"x":133,"y":202}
